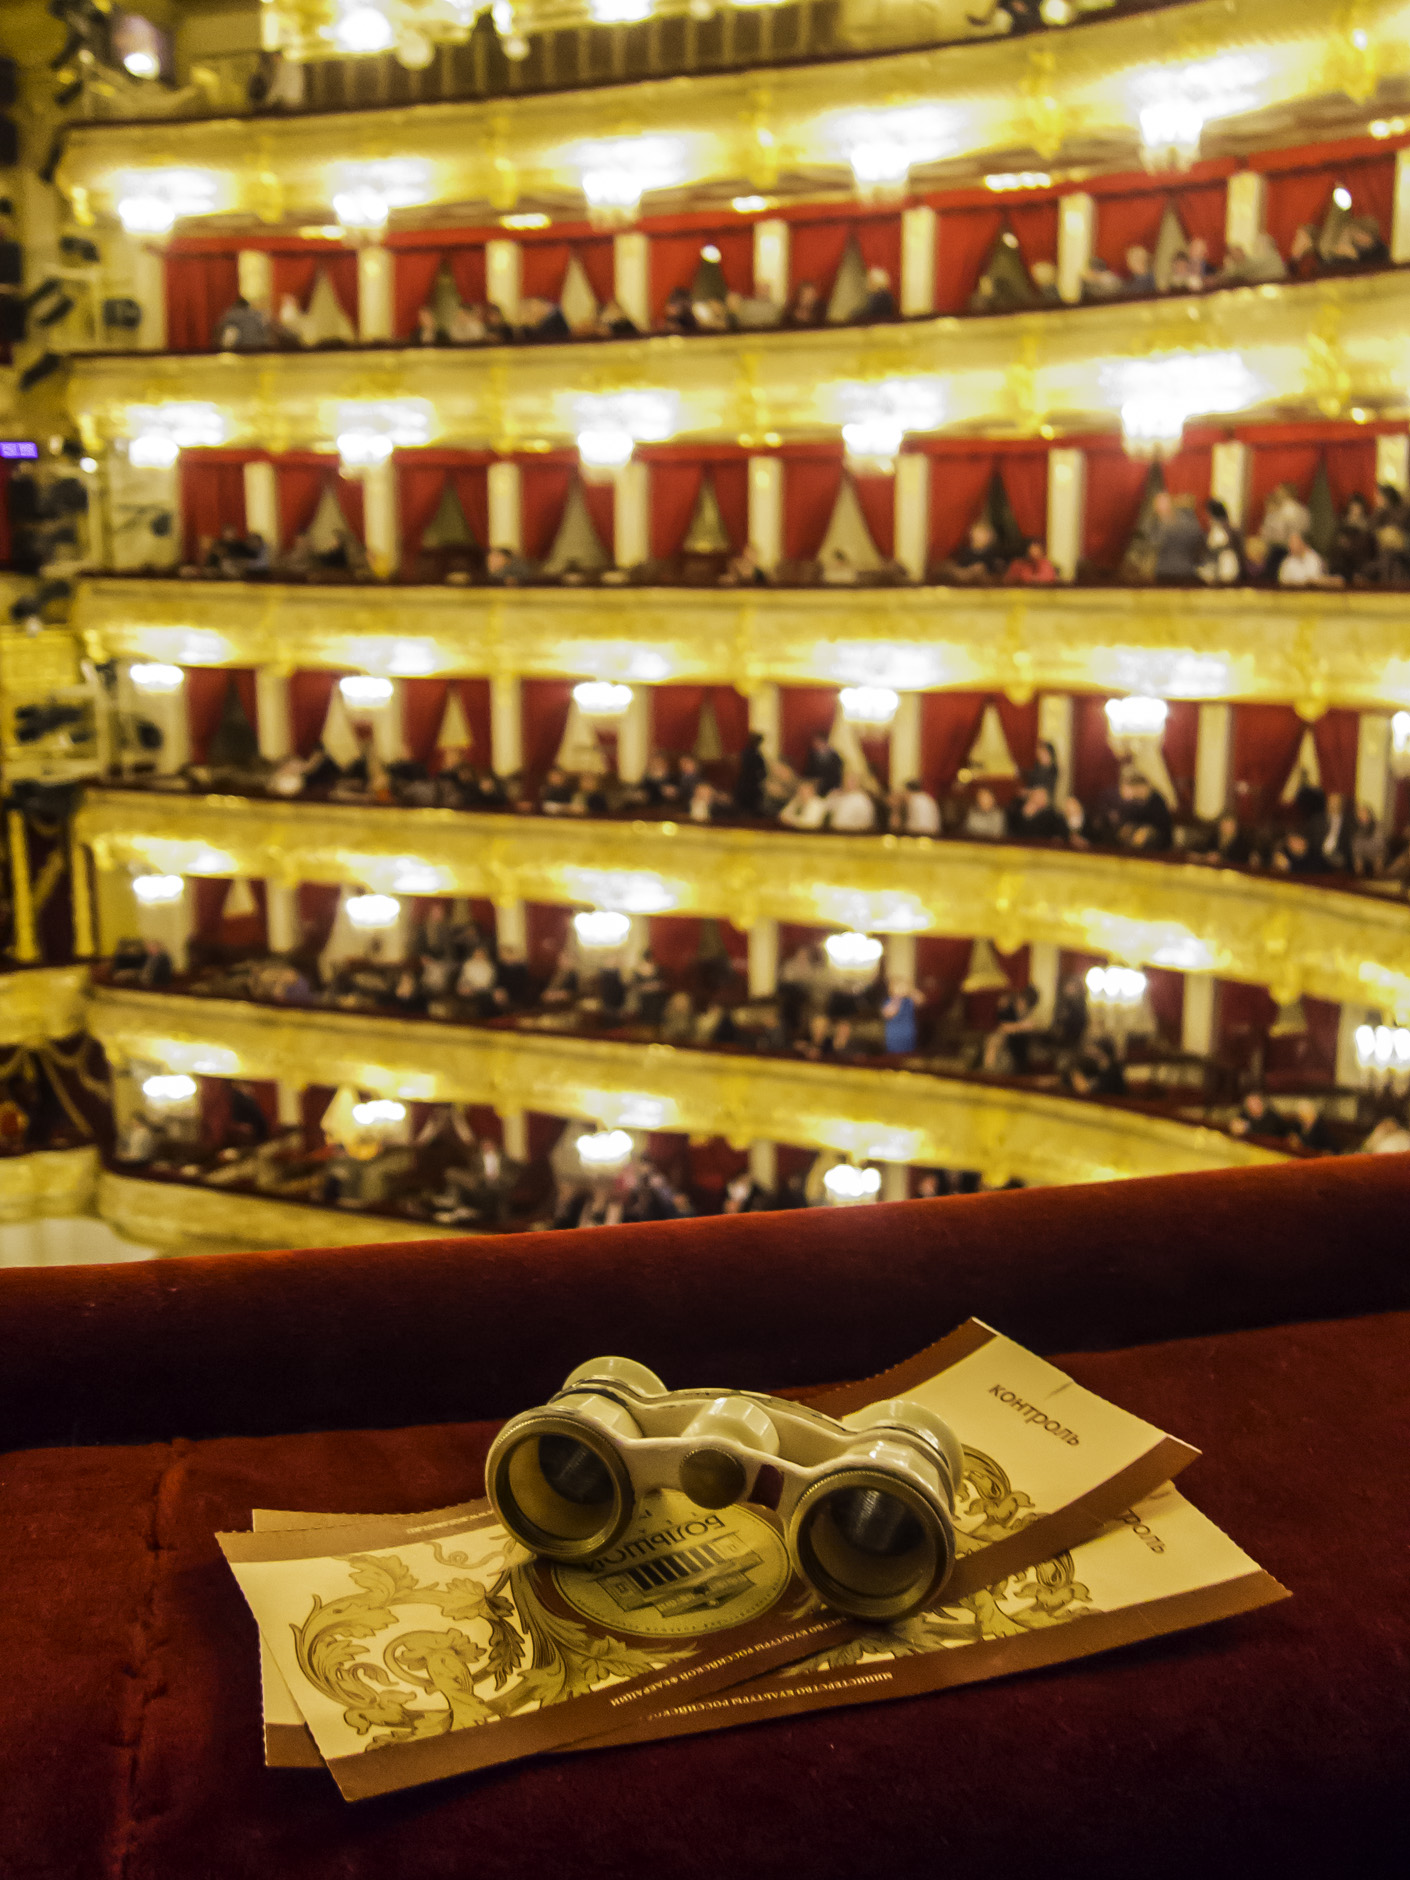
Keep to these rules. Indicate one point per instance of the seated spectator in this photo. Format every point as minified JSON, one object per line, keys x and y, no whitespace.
{"x":679,"y":315}
{"x":898,"y":1016}
{"x":1256,"y":554}
{"x":1390,"y":510}
{"x":428,"y":332}
{"x":744,"y":570}
{"x":711,"y":316}
{"x":498,"y":331}
{"x":1179,"y":540}
{"x":979,"y":561}
{"x":824,"y":764}
{"x":706,"y":803}
{"x":913,"y":811}
{"x":1198,"y":263}
{"x":1032,"y":818}
{"x":1255,"y":1116}
{"x":1301,"y":565}
{"x":1228,"y":844}
{"x":1099,"y":282}
{"x":1296,"y":855}
{"x":561,"y":795}
{"x":1359,"y":246}
{"x":1223,"y":563}
{"x":805,"y":809}
{"x":466,"y":327}
{"x":657,"y":788}
{"x":1391,"y":1136}
{"x":242,"y":328}
{"x":1069,"y":1024}
{"x":1032,"y":568}
{"x":839,"y":570}
{"x":504,"y":567}
{"x":542,"y":320}
{"x":1143,"y":816}
{"x":1075,"y":818}
{"x":805,"y":306}
{"x":1097,"y":1071}
{"x":1354,"y":544}
{"x":1261,"y":264}
{"x":751,"y":776}
{"x":1304,"y":261}
{"x":1042,"y":773}
{"x":1390,"y":566}
{"x":1283,"y":517}
{"x":1310,"y":1129}
{"x":1009,"y":1043}
{"x":880,"y":303}
{"x":984,"y":819}
{"x":752,"y":312}
{"x":850,"y":807}
{"x":1045,"y":283}
{"x":613,"y":322}
{"x":1140,"y":277}
{"x":1368,"y":845}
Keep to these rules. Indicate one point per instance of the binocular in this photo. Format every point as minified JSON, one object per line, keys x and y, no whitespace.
{"x":866,"y":1511}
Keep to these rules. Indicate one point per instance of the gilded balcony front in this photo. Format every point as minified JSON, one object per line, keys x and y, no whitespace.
{"x":1315,"y":648}
{"x":895,"y":1116}
{"x":1331,"y":943}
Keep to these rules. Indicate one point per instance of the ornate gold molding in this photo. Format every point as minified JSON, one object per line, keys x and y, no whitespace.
{"x":1283,"y":934}
{"x":179,"y":1218}
{"x":47,"y":1183}
{"x":1316,"y":649}
{"x":896,"y":1116}
{"x":46,"y":1002}
{"x":526,"y":398}
{"x":995,"y":96}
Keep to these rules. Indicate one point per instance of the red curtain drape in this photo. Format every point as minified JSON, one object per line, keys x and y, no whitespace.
{"x":300,"y":481}
{"x":803,"y":711}
{"x":600,"y":500}
{"x":1335,"y":735}
{"x":674,"y":260}
{"x":1296,"y":197}
{"x":1136,"y":218}
{"x":1166,"y":991}
{"x":1189,"y":471}
{"x":1115,"y":486}
{"x":1025,"y":480}
{"x":206,"y":690}
{"x":675,"y":717}
{"x":545,"y":708}
{"x":199,"y":288}
{"x":1036,"y":226}
{"x":317,"y":903}
{"x":810,"y":488}
{"x":1178,"y":746}
{"x":546,"y":931}
{"x":1266,"y":739}
{"x":309,"y":696}
{"x":1272,"y":464}
{"x":422,"y":477}
{"x":675,"y":941}
{"x":1094,"y":766}
{"x":543,"y":266}
{"x":876,"y":497}
{"x":675,"y":489}
{"x":296,"y":274}
{"x":413,"y":273}
{"x":543,"y":493}
{"x":958,"y":486}
{"x":1351,"y":469}
{"x":965,"y":238}
{"x":424,"y":703}
{"x":732,"y":495}
{"x":949,"y":724}
{"x":212,"y":496}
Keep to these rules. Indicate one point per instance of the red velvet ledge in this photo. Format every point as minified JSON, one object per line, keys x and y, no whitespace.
{"x":1272,"y":1744}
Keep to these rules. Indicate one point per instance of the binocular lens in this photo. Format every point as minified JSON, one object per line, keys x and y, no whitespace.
{"x":875,"y":1523}
{"x":576,"y":1472}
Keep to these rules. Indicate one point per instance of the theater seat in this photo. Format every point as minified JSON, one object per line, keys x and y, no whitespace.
{"x":1259,"y":1314}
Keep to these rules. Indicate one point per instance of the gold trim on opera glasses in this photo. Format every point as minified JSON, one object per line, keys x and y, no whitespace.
{"x":865,"y":1507}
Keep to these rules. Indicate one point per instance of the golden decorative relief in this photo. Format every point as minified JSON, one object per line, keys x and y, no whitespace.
{"x":1007,"y":375}
{"x":506,"y":150}
{"x":47,"y":1184}
{"x":1337,"y":649}
{"x":1350,"y":946}
{"x":177,"y":1217}
{"x":895,"y":1116}
{"x":46,"y":1002}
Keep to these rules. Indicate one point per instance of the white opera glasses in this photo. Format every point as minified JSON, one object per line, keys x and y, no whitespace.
{"x":866,"y":1512}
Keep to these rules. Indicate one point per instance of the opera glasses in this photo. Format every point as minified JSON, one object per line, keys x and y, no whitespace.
{"x":866,"y":1512}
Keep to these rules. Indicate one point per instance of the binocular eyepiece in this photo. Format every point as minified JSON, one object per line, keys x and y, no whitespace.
{"x":866,"y":1508}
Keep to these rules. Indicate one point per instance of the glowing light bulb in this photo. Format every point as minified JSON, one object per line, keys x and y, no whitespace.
{"x":171,"y":1087}
{"x":379,"y":1113}
{"x":853,"y":952}
{"x":600,"y":698}
{"x":846,"y":1184}
{"x":605,"y":1149}
{"x":605,"y":447}
{"x":370,"y":911}
{"x":869,"y":704}
{"x":363,"y":29}
{"x":155,"y":677}
{"x":365,"y":691}
{"x":1136,"y":717}
{"x":158,"y":890}
{"x":601,"y":929}
{"x":142,"y":64}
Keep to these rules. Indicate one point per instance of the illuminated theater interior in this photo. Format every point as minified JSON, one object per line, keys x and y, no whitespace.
{"x":580,"y":649}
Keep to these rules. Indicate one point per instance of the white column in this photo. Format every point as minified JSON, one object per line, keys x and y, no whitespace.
{"x":1400,"y":214}
{"x":1077,"y":224}
{"x":631,"y":515}
{"x":1067,"y":491}
{"x":168,"y":712}
{"x":149,"y":290}
{"x":1374,"y":778}
{"x":169,"y":923}
{"x":374,"y":292}
{"x":514,"y":1127}
{"x":895,"y":1181}
{"x":262,"y":502}
{"x":901,"y":957}
{"x":272,"y":713}
{"x":1197,"y":1009}
{"x":764,"y":716}
{"x":905,"y":740}
{"x":1349,"y":1073}
{"x":1243,"y":209}
{"x":763,"y":959}
{"x":511,"y":927}
{"x":763,"y":1164}
{"x":281,"y":916}
{"x":917,"y":260}
{"x":379,"y":517}
{"x":634,"y":736}
{"x":388,"y":725}
{"x":503,"y":274}
{"x":631,"y":277}
{"x":766,"y":509}
{"x":1043,"y":976}
{"x":1055,"y":724}
{"x":771,"y":259}
{"x":912,"y":512}
{"x":1228,"y":479}
{"x":506,"y":506}
{"x":290,"y":1099}
{"x":1213,"y":746}
{"x":255,"y":277}
{"x":506,"y":725}
{"x":1393,"y":458}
